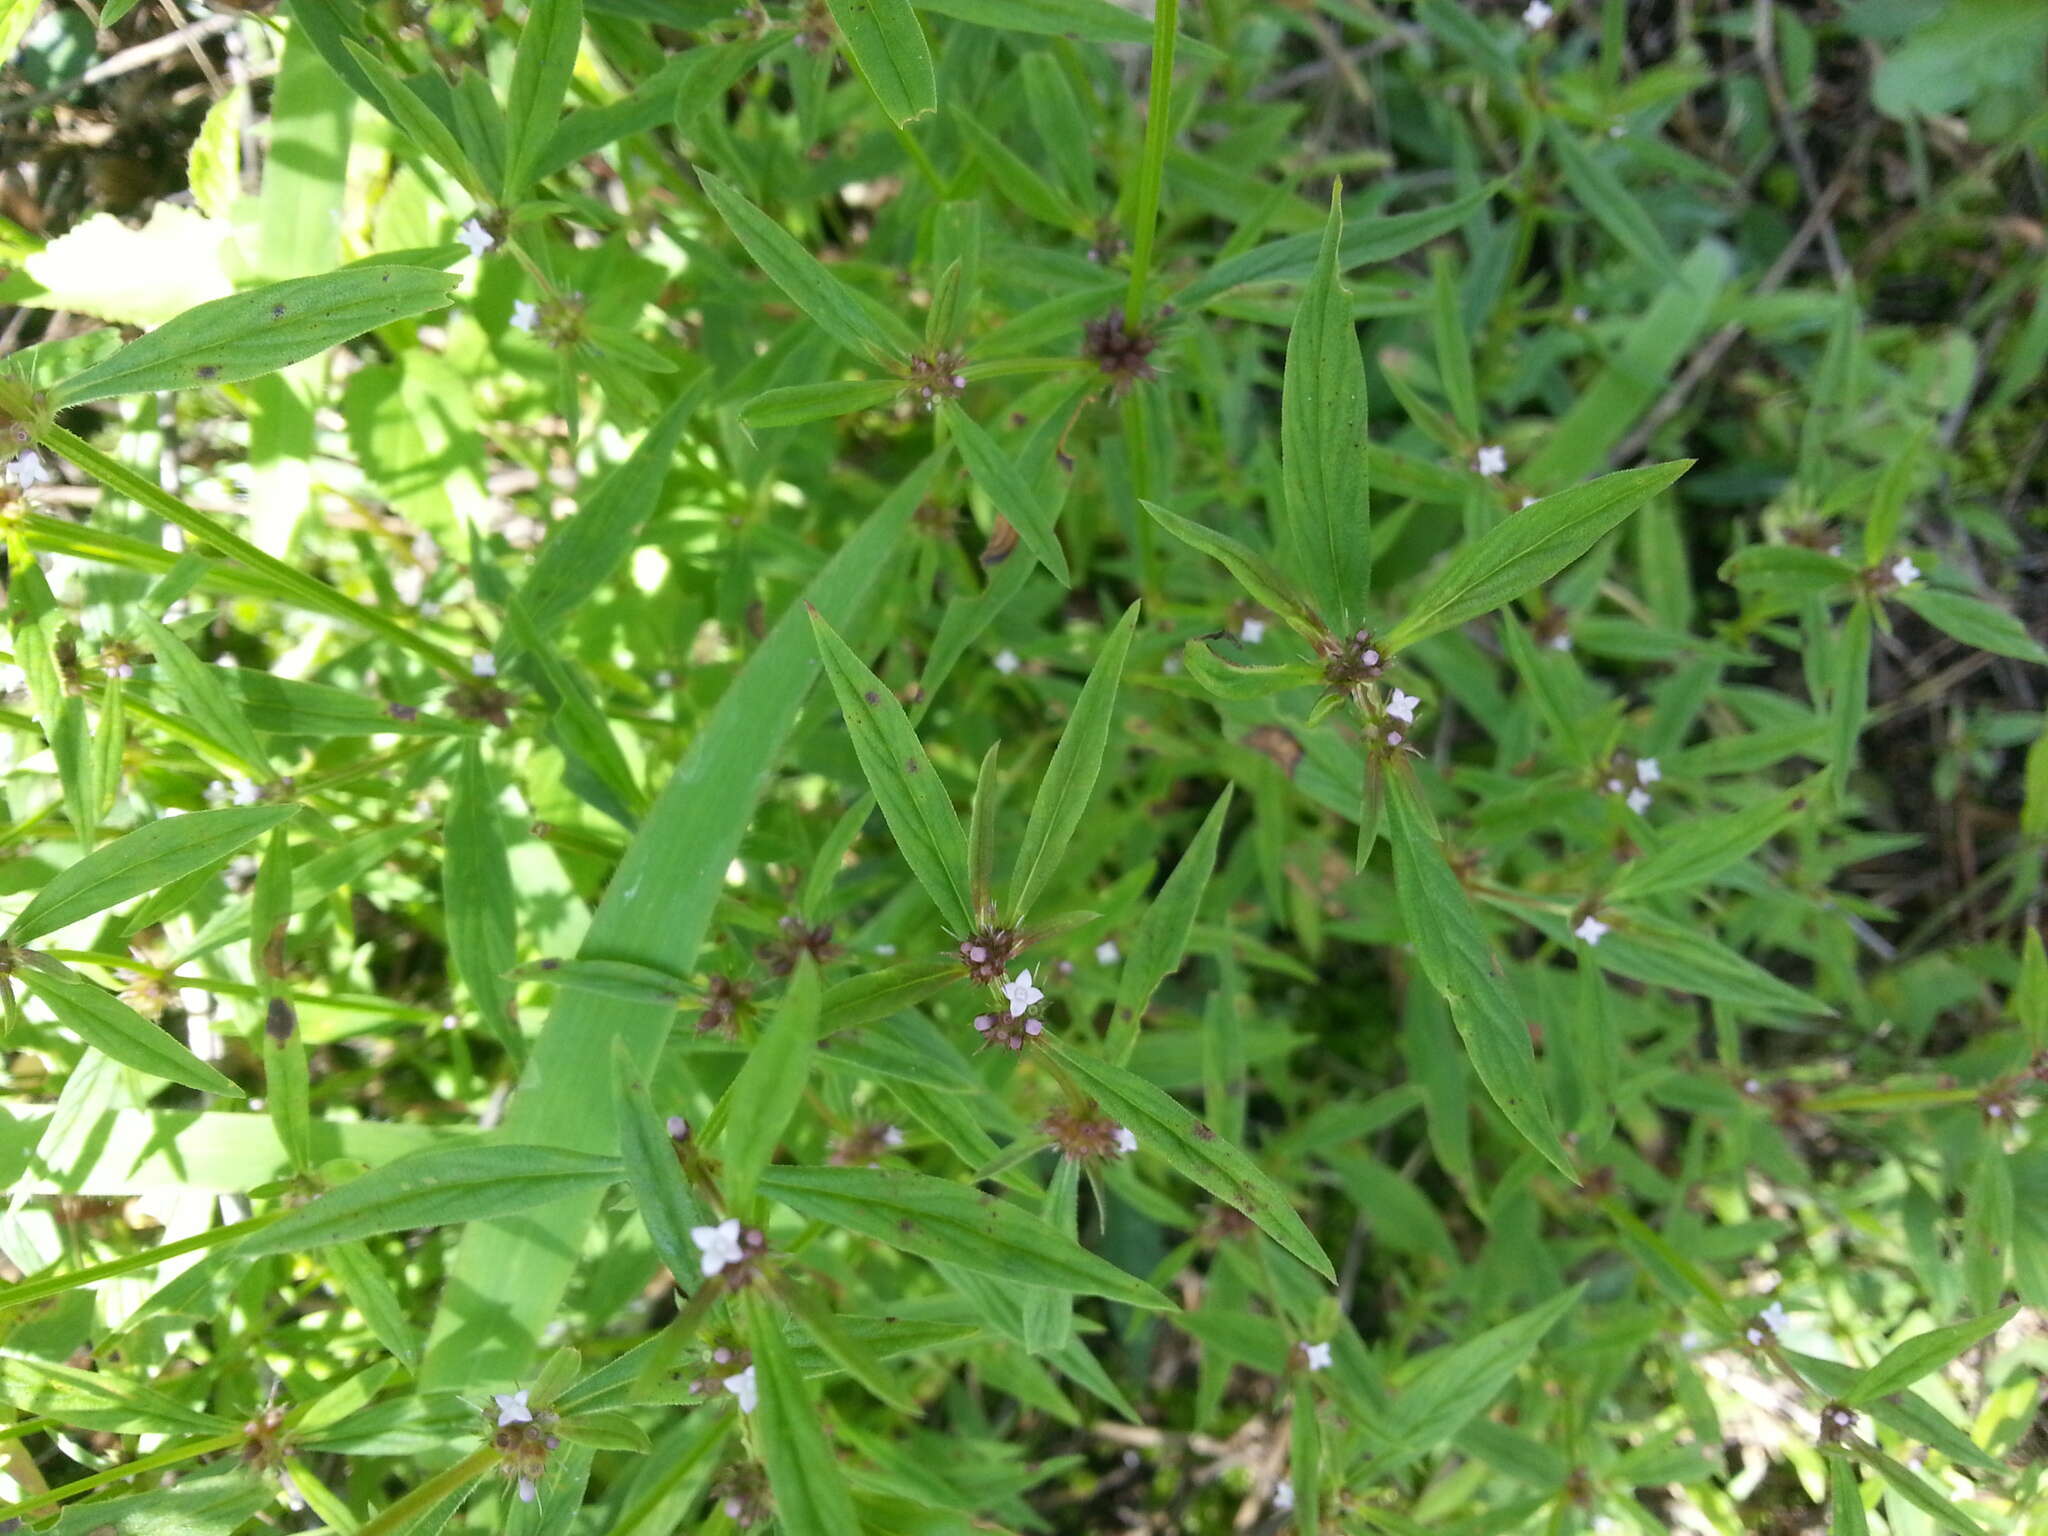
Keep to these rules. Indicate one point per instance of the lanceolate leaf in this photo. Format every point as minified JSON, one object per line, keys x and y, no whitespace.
{"x":1007,"y":489}
{"x":1162,"y":936}
{"x":667,"y":1205}
{"x":258,"y":332}
{"x":1322,"y":441}
{"x":1974,"y":622}
{"x":1164,"y":1126}
{"x":476,"y":885}
{"x":144,"y":860}
{"x":1906,"y":1363}
{"x":913,"y":801}
{"x":1069,"y":781}
{"x":953,"y":1224}
{"x":798,"y":273}
{"x":540,"y":79}
{"x":1462,"y":1380}
{"x":1252,"y":570}
{"x":810,"y":1489}
{"x":114,"y":1029}
{"x":1460,"y":963}
{"x":887,"y":46}
{"x":1528,"y":548}
{"x":769,"y":1086}
{"x":1700,"y":850}
{"x":437,"y":1187}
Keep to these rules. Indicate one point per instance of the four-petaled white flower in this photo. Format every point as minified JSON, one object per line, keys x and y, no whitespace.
{"x":892,"y":1135}
{"x":1537,"y":16}
{"x":1402,"y":707}
{"x":512,"y":1407}
{"x":1125,"y":1142}
{"x":1754,"y":1335}
{"x":742,"y":1387}
{"x":1591,"y":929}
{"x":1006,"y":662}
{"x":528,"y":1489}
{"x":1283,"y":1495}
{"x":720,"y":1245}
{"x":1106,"y":953}
{"x":1315,"y":1356}
{"x":1560,"y":641}
{"x":1774,"y":1316}
{"x":483,"y":664}
{"x":1021,"y":994}
{"x":1639,"y":800}
{"x":525,"y":315}
{"x":476,"y":237}
{"x":1492,"y":460}
{"x":27,"y":470}
{"x":1904,"y":571}
{"x":1252,"y":631}
{"x":1647,"y":771}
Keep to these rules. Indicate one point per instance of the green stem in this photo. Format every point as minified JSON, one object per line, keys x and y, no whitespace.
{"x":314,"y":594}
{"x":54,"y":1285}
{"x":1152,"y":172}
{"x":170,"y":1456}
{"x":398,"y":1516}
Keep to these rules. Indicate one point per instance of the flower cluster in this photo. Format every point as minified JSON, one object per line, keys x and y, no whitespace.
{"x":740,"y":1491}
{"x":1016,"y":1023}
{"x":1121,"y":352}
{"x":1632,"y":781}
{"x":523,"y":1437}
{"x":987,"y":953}
{"x":794,"y":939}
{"x":930,"y":377}
{"x":729,"y":1249}
{"x":1350,"y":664}
{"x":1768,"y":1325}
{"x":862,"y":1147}
{"x":1089,"y":1136}
{"x":724,"y":1000}
{"x":731,"y":1370}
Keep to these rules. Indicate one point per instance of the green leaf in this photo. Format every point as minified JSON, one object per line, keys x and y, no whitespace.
{"x":437,"y":1187}
{"x":810,"y":1490}
{"x":886,"y":44}
{"x":1229,"y":680}
{"x":668,"y":1206}
{"x":1162,"y":937}
{"x":101,"y":1400}
{"x":1917,"y":1491}
{"x":828,"y":302}
{"x":1974,"y":622}
{"x":1462,"y":1380}
{"x":873,"y":996}
{"x":1166,"y":1128}
{"x":1305,"y":1459}
{"x":1528,"y":548}
{"x":144,"y":860}
{"x":1848,"y":698}
{"x":843,"y":1346}
{"x":1323,"y":444}
{"x":477,"y":894}
{"x":199,"y":688}
{"x":1460,"y":964}
{"x":1699,"y":851}
{"x":799,"y":403}
{"x":420,"y":127}
{"x":1611,"y":204}
{"x":541,"y":70}
{"x":114,"y":1029}
{"x":1648,"y":948}
{"x":1790,"y":568}
{"x":1253,"y":571}
{"x":1095,"y":20}
{"x":1846,"y":1515}
{"x":1007,"y":489}
{"x":953,"y":1224}
{"x":247,"y":335}
{"x":1069,"y":782}
{"x":913,"y":801}
{"x":1906,"y":1363}
{"x":769,"y":1087}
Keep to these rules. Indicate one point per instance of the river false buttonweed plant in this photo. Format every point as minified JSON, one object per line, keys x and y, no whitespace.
{"x":960,"y":766}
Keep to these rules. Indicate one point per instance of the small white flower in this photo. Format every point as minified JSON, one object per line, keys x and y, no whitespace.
{"x":525,"y":315}
{"x":1283,"y":1495}
{"x":1560,"y":641}
{"x":27,"y":470}
{"x":1252,"y":631}
{"x":476,"y":237}
{"x":1021,"y":994}
{"x":122,"y":669}
{"x":1315,"y":1356}
{"x":1615,"y":786}
{"x":1537,"y":16}
{"x":483,"y":664}
{"x":244,"y":791}
{"x":1492,"y":460}
{"x":720,"y":1245}
{"x":886,"y":951}
{"x":678,"y":1128}
{"x":1774,"y":1316}
{"x":1126,"y":1143}
{"x":1106,"y":953}
{"x":1647,"y":771}
{"x":1581,"y":314}
{"x":1006,"y":662}
{"x":1171,"y":666}
{"x":512,"y":1408}
{"x":1393,"y":738}
{"x":892,"y":1135}
{"x":1754,"y":1335}
{"x":1904,"y":571}
{"x":528,"y":1489}
{"x":1752,"y":1086}
{"x":1402,"y":707}
{"x":1591,"y":930}
{"x":1690,"y":1340}
{"x":1525,"y":504}
{"x":12,"y":678}
{"x":1639,"y":800}
{"x":742,"y":1387}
